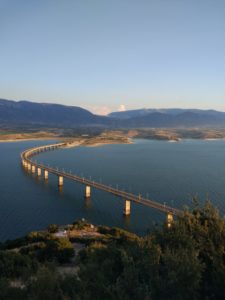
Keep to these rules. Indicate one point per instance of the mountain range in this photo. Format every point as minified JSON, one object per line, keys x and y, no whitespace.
{"x":45,"y":114}
{"x":13,"y":113}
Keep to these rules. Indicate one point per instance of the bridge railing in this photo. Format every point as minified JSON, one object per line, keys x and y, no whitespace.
{"x":27,"y":154}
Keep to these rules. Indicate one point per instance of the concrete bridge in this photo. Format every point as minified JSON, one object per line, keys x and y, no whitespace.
{"x":39,"y":169}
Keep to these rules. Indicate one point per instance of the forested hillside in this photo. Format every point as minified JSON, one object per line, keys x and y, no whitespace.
{"x":186,"y":261}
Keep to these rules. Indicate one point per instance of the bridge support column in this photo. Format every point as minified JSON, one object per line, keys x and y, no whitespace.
{"x":169,"y":219}
{"x":60,"y":181}
{"x":126,"y":210}
{"x":38,"y":171}
{"x":45,"y":174}
{"x":25,"y":164}
{"x":29,"y":166}
{"x":87,"y":191}
{"x":33,"y":169}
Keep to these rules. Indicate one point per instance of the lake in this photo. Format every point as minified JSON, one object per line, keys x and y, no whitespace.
{"x":171,"y":173}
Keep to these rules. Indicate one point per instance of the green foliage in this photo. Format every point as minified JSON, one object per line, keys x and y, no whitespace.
{"x":13,"y":265}
{"x":45,"y":286}
{"x":60,"y":249}
{"x":7,"y":292}
{"x":208,"y":232}
{"x":117,"y":232}
{"x":186,"y":261}
{"x":37,"y":236}
{"x":11,"y":244}
{"x":180,"y":272}
{"x":71,"y":287}
{"x":53,"y":228}
{"x":34,"y":250}
{"x":80,"y":224}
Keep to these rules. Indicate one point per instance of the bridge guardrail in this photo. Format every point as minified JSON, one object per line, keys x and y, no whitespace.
{"x":26,"y":157}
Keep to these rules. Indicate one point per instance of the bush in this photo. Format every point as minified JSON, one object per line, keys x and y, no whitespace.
{"x":38,"y":236}
{"x":53,"y":228}
{"x":81,"y":224}
{"x":60,"y":249}
{"x":10,"y":244}
{"x":14,"y":265}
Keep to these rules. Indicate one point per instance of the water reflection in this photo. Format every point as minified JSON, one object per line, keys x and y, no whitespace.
{"x":164,"y":171}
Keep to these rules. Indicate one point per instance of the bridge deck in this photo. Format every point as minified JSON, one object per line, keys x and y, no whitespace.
{"x":26,"y":156}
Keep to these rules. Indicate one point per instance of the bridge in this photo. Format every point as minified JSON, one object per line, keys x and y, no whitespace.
{"x":34,"y":167}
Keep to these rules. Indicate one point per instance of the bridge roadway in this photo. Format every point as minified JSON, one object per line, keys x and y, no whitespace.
{"x":28,"y":163}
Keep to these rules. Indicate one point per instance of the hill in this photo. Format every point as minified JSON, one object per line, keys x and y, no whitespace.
{"x":170,"y":118}
{"x":45,"y":114}
{"x":38,"y":115}
{"x":83,"y":261}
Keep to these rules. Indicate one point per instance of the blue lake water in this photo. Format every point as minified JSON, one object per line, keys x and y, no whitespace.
{"x":167,"y":172}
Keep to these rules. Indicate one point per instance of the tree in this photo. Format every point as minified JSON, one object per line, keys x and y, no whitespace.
{"x":60,"y":249}
{"x":46,"y":286}
{"x":53,"y":228}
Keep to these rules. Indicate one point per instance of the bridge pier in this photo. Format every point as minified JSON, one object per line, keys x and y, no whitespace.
{"x":60,"y":181}
{"x":126,"y":210}
{"x":33,"y":169}
{"x":38,"y":171}
{"x":45,"y":174}
{"x":169,"y":219}
{"x":29,"y":165}
{"x":87,"y":191}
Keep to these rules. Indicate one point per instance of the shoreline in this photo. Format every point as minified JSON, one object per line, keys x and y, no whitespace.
{"x":115,"y":136}
{"x":90,"y":143}
{"x":28,"y":139}
{"x":99,"y":144}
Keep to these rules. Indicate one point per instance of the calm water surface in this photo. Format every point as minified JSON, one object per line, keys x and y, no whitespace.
{"x":167,"y":172}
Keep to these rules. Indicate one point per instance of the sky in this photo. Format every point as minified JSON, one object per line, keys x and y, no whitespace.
{"x":109,"y":55}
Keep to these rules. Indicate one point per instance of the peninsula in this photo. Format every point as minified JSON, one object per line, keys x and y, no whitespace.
{"x":85,"y":261}
{"x":96,"y":137}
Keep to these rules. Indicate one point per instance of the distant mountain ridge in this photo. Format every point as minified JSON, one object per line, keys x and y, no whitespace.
{"x":170,"y":111}
{"x":46,"y":114}
{"x":28,"y":113}
{"x":172,"y":117}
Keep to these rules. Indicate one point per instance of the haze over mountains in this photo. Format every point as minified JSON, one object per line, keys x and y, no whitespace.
{"x":54,"y":115}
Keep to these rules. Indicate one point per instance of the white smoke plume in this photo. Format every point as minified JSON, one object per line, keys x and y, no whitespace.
{"x":122,"y":107}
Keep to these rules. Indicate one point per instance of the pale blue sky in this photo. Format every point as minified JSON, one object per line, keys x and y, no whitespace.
{"x":102,"y":54}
